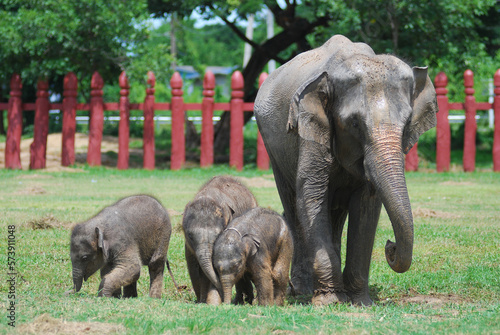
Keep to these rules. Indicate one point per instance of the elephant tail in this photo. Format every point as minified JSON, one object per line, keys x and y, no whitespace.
{"x":292,"y":291}
{"x":172,"y":276}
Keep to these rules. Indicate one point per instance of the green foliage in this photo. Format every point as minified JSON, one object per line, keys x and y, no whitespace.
{"x":50,"y":38}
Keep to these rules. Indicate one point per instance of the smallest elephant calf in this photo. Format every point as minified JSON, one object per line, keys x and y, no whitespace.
{"x":255,"y":247}
{"x":121,"y":238}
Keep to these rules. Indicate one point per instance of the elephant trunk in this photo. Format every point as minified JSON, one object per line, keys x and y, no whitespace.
{"x":77,"y":281}
{"x":204,"y":256}
{"x":385,"y":169}
{"x":227,"y":287}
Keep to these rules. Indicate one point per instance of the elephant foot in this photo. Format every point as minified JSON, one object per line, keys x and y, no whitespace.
{"x":323,"y":297}
{"x":297,"y":288}
{"x":360,"y":299}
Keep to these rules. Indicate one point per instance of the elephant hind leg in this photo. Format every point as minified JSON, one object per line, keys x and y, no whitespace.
{"x":194,"y":271}
{"x":130,"y":291}
{"x":244,"y":291}
{"x":156,"y":270}
{"x":301,"y":274}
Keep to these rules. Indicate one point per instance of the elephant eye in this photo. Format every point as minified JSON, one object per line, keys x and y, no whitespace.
{"x":355,"y":123}
{"x":84,"y":258}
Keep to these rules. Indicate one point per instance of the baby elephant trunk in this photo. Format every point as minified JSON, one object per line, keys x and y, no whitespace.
{"x":227,"y":287}
{"x":77,"y":282}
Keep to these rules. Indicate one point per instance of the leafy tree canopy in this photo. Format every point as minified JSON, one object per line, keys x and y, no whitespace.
{"x":446,"y":35}
{"x":51,"y":37}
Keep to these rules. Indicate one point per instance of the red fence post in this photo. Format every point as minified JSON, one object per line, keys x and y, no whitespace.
{"x":411,"y":160}
{"x":237,"y":122}
{"x":15,"y":127}
{"x":124,"y":125}
{"x":96,"y":120}
{"x":496,"y":136}
{"x":69,"y":119}
{"x":207,"y":124}
{"x":178,"y":155}
{"x":38,"y":149}
{"x":443,"y":133}
{"x":469,"y":159}
{"x":262,"y":156}
{"x":149,"y":124}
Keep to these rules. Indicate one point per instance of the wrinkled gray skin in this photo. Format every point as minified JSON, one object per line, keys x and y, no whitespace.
{"x":255,"y":247}
{"x":134,"y":231}
{"x":336,"y":122}
{"x":219,"y":201}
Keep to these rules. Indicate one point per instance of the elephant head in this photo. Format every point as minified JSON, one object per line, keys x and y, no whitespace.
{"x":88,"y":252}
{"x":204,"y":220}
{"x":231,"y":251}
{"x":368,"y":111}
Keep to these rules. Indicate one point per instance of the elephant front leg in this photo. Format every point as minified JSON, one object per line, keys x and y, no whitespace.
{"x":104,"y":271}
{"x":119,"y":276}
{"x":313,"y":182}
{"x":264,"y":286}
{"x":213,"y":296}
{"x":364,"y":212}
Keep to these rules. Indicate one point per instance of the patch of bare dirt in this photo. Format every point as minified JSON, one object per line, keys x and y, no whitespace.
{"x":430,"y":213}
{"x":45,"y":324}
{"x":32,"y":190}
{"x":434,"y":300}
{"x":54,"y":145}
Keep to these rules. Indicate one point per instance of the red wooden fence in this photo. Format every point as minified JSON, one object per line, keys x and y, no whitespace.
{"x":96,"y":108}
{"x":443,"y":135}
{"x":236,"y":106}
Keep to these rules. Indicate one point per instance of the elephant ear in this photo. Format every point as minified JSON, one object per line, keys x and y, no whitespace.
{"x":425,"y":107}
{"x":253,"y":243}
{"x":307,"y":113}
{"x":102,"y":243}
{"x":228,"y":213}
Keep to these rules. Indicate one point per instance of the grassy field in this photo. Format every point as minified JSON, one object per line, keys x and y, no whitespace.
{"x":453,"y":286}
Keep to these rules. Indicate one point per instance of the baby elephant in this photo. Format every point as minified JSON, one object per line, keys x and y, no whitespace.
{"x":205,"y":217}
{"x":255,"y":247}
{"x":121,"y":238}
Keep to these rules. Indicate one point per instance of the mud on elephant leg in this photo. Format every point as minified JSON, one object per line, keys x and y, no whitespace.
{"x":156,"y":270}
{"x":104,"y":271}
{"x":213,"y":296}
{"x":264,"y":286}
{"x":119,"y":276}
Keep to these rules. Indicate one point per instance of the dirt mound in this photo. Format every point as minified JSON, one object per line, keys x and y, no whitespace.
{"x":45,"y":324}
{"x":46,"y":222}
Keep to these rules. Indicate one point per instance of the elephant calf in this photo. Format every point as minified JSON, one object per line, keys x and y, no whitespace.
{"x":205,"y":217}
{"x":255,"y":247}
{"x":134,"y":231}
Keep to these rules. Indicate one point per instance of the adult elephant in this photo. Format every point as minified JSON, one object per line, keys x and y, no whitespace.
{"x":336,"y":122}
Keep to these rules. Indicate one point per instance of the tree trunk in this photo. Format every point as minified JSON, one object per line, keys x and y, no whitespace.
{"x":293,"y":33}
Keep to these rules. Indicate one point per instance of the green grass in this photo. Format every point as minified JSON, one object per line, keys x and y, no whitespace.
{"x":452,"y":287}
